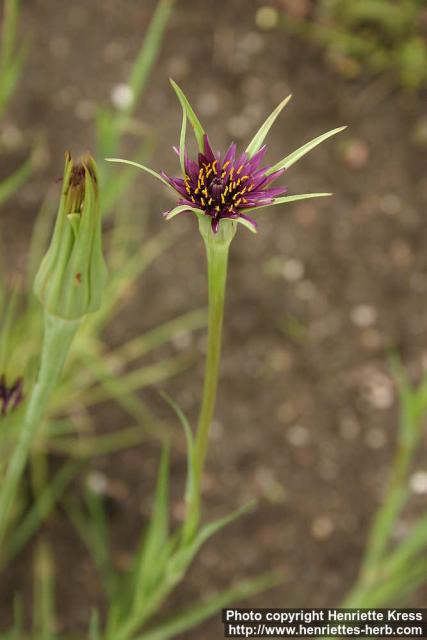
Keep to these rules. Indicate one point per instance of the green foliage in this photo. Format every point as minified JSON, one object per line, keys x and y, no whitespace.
{"x":12,"y":55}
{"x":391,"y":570}
{"x":376,"y":35}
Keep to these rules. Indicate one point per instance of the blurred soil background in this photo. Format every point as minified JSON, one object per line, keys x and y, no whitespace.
{"x":307,"y":410}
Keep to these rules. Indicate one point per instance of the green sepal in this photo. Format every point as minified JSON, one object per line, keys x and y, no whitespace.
{"x":293,"y":157}
{"x":256,"y":142}
{"x":180,"y":209}
{"x":74,"y":219}
{"x":287,"y":199}
{"x":142,"y":167}
{"x":199,"y":132}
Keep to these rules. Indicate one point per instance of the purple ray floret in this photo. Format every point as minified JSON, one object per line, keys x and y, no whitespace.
{"x":228,"y":187}
{"x":10,"y":396}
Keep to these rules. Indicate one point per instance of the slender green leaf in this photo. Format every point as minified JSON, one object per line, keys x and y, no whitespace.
{"x":41,"y":509}
{"x":12,"y":183}
{"x":201,"y":611}
{"x":178,"y":564}
{"x":299,"y":153}
{"x":44,"y":592}
{"x":258,"y":139}
{"x":194,"y":121}
{"x":149,"y":566}
{"x":191,"y":466}
{"x":94,"y":626}
{"x":150,"y":49}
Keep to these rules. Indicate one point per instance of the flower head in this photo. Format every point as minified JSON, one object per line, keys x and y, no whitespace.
{"x":72,"y":275}
{"x":10,"y":395}
{"x":228,"y":187}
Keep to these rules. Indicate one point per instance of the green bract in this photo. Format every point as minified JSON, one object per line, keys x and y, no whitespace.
{"x":72,"y":275}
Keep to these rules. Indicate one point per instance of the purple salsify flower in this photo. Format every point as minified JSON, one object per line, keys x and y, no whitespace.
{"x":229,"y":188}
{"x":10,"y":396}
{"x":225,"y":188}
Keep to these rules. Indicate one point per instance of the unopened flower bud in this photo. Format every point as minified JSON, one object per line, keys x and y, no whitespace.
{"x":72,"y":275}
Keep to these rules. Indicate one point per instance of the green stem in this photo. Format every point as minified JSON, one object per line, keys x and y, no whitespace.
{"x":217,"y":275}
{"x":56,"y":343}
{"x":217,"y":249}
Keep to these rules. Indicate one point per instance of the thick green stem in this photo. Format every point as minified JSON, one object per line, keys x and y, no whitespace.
{"x":56,"y":343}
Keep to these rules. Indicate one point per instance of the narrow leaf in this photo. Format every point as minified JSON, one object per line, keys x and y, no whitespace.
{"x":299,"y":153}
{"x":191,"y":466}
{"x":199,"y":612}
{"x":12,"y":183}
{"x":199,"y":132}
{"x":149,"y":565}
{"x":259,"y":137}
{"x":140,"y":166}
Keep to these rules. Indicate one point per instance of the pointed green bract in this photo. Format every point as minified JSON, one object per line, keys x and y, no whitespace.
{"x":179,"y":209}
{"x":286,"y":199}
{"x":182,"y":142}
{"x":139,"y":166}
{"x":199,"y":132}
{"x":247,"y":224}
{"x":299,"y":153}
{"x":261,"y":134}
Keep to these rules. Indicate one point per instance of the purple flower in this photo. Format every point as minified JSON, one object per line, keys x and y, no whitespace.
{"x":225,"y":188}
{"x":10,"y":396}
{"x":229,"y":187}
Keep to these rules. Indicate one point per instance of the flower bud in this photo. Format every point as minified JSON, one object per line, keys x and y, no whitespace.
{"x":72,"y":275}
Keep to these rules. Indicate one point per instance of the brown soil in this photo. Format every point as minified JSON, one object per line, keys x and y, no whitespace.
{"x":307,"y":409}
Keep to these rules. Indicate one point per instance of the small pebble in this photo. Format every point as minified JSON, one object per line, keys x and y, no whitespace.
{"x":122,"y":96}
{"x":418,"y":482}
{"x":356,"y":153}
{"x":363,"y":315}
{"x":293,"y":270}
{"x":298,"y":436}
{"x":97,"y":482}
{"x":322,"y":527}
